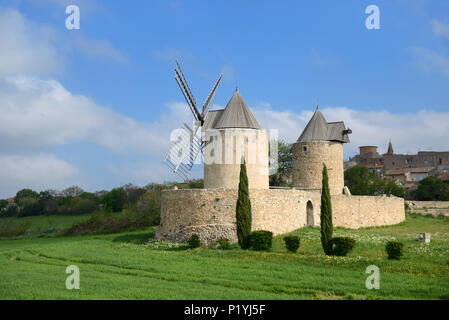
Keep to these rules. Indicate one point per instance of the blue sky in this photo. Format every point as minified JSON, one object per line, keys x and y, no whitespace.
{"x":95,"y":106}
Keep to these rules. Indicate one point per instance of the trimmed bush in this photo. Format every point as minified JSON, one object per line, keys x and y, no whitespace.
{"x":223,"y":243}
{"x":342,"y":245}
{"x":194,"y":241}
{"x":291,"y":243}
{"x":261,"y":240}
{"x":394,"y":249}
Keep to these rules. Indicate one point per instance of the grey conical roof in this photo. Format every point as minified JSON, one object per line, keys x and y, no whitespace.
{"x":236,"y":115}
{"x":318,"y":129}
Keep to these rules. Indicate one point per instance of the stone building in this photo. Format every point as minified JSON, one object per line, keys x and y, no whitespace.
{"x":391,"y":164}
{"x":232,"y":134}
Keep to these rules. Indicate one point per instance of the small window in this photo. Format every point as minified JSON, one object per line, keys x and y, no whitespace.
{"x":304,"y":148}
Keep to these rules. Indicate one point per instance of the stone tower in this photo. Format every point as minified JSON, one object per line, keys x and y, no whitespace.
{"x":231,"y":134}
{"x":320,"y":142}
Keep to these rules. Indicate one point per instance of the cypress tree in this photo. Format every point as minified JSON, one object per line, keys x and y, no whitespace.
{"x":326,"y":215}
{"x":243,"y":209}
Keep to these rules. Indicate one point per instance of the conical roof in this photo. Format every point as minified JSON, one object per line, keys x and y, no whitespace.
{"x":318,"y":129}
{"x":236,"y":114}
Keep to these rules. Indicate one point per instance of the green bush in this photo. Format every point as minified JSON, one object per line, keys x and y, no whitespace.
{"x":291,"y":243}
{"x":9,"y":228}
{"x":342,"y":245}
{"x":223,"y":243}
{"x":326,"y":214}
{"x":394,"y":249}
{"x":12,"y":211}
{"x":261,"y":240}
{"x":194,"y":241}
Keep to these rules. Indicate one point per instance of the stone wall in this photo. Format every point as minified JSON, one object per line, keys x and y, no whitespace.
{"x":367,"y":211}
{"x":307,"y":165}
{"x":211,"y":212}
{"x":427,"y":204}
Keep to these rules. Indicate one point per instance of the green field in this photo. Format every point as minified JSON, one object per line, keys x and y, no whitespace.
{"x":130,"y":265}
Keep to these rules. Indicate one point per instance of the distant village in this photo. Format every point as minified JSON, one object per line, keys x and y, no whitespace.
{"x":406,"y":169}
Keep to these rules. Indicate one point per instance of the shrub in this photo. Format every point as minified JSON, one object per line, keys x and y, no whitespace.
{"x":261,"y":240}
{"x":326,"y":214}
{"x":342,"y":245}
{"x":223,"y":243}
{"x":12,"y":211}
{"x":9,"y":228}
{"x":291,"y":243}
{"x":194,"y":241}
{"x":243,"y":210}
{"x":394,"y":249}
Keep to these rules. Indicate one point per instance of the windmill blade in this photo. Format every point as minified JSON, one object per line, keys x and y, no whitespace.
{"x":186,"y":87}
{"x":186,"y":91}
{"x":187,"y":100}
{"x":184,"y":151}
{"x":209,"y":98}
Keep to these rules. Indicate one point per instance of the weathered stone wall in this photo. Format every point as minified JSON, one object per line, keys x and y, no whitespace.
{"x":223,"y":153}
{"x":211,"y":212}
{"x":367,"y":211}
{"x":434,"y":208}
{"x":307,"y":165}
{"x":427,"y":204}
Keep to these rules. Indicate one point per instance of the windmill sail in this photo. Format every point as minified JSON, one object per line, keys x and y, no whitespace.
{"x":184,"y":150}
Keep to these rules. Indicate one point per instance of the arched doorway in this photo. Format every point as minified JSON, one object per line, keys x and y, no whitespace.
{"x":309,"y":214}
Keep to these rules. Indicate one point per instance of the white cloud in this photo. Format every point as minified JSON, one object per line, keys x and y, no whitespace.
{"x":38,"y":113}
{"x":431,"y":61}
{"x":410,"y":133}
{"x":26,"y":47}
{"x":38,"y":172}
{"x":440,"y":29}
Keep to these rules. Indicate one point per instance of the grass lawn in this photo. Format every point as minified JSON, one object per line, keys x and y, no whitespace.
{"x":130,"y":266}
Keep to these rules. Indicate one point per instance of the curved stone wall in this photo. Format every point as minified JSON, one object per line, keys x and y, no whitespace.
{"x":223,"y":153}
{"x":210,"y":213}
{"x":307,"y":165}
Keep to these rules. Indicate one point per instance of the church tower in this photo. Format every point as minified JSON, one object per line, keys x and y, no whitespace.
{"x":320,"y":142}
{"x":231,"y":134}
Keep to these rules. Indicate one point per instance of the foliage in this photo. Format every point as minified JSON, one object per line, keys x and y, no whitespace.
{"x":114,"y":200}
{"x":25,"y":193}
{"x":326,"y":214}
{"x":243,"y":210}
{"x":342,"y":245}
{"x":194,"y":241}
{"x":394,"y":249}
{"x":361,"y":181}
{"x":12,"y":211}
{"x":105,"y":222}
{"x":292,"y":243}
{"x":3,"y":204}
{"x":223,"y":243}
{"x":432,"y":189}
{"x":73,"y":191}
{"x":285,"y":156}
{"x":261,"y":240}
{"x":10,"y":228}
